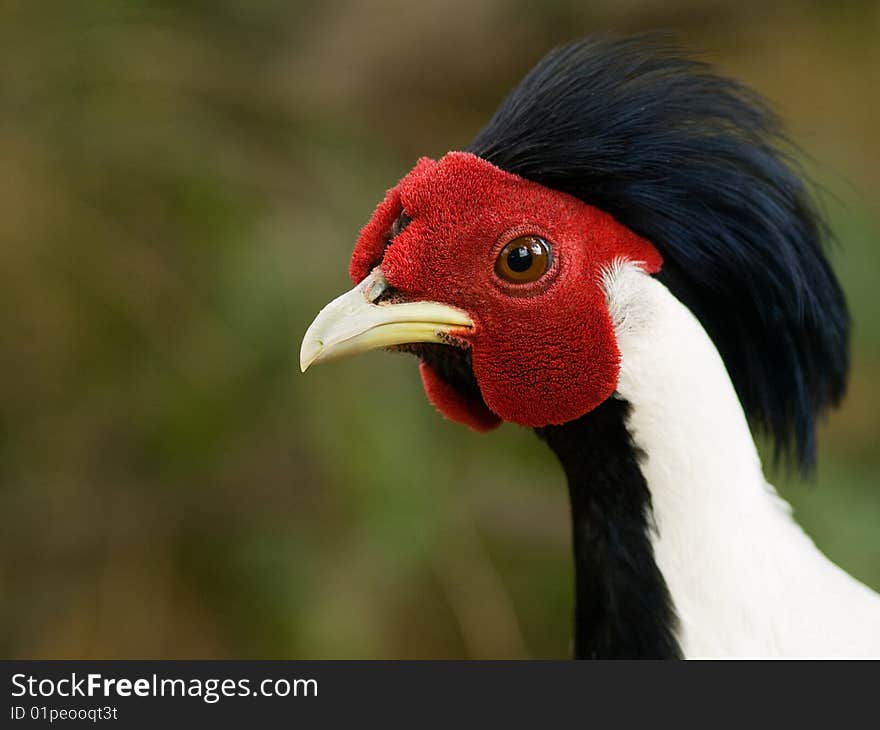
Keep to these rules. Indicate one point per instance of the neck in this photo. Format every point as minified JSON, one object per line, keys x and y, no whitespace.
{"x":672,"y":515}
{"x":622,"y":605}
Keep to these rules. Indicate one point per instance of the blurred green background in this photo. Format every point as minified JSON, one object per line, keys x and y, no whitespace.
{"x":180,"y":189}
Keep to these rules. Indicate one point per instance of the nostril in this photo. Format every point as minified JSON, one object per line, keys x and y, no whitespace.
{"x":378,"y":291}
{"x":390,"y":296}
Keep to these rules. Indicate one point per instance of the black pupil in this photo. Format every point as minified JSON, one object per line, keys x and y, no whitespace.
{"x":520,"y":259}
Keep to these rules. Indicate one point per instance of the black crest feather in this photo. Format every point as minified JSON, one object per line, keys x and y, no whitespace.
{"x":698,"y":165}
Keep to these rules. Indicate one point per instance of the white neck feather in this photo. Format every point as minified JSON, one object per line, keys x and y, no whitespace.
{"x":745,"y":579}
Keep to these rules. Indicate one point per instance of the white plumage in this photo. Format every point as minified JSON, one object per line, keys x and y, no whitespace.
{"x":746,"y":581}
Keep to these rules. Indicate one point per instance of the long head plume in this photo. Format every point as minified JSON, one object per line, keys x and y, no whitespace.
{"x":698,"y":165}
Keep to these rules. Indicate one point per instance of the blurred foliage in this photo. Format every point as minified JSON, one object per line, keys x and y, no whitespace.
{"x":180,"y":188}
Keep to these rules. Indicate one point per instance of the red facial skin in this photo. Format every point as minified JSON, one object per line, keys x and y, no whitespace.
{"x":543,"y":352}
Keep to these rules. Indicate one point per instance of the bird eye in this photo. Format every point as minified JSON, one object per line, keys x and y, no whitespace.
{"x":524,"y":259}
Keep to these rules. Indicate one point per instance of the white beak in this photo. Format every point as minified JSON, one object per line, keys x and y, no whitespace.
{"x":353,"y":323}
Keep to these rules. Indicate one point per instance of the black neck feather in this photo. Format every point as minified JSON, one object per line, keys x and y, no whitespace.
{"x":622,"y":605}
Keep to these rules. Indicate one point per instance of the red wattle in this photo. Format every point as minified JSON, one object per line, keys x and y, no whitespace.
{"x":455,"y":406}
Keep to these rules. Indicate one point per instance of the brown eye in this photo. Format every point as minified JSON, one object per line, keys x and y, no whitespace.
{"x":524,"y":259}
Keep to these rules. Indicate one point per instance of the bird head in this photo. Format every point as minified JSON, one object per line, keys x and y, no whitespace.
{"x":488,"y":263}
{"x":504,"y":272}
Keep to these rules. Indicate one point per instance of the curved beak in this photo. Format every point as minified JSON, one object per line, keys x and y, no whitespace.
{"x":355,"y":322}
